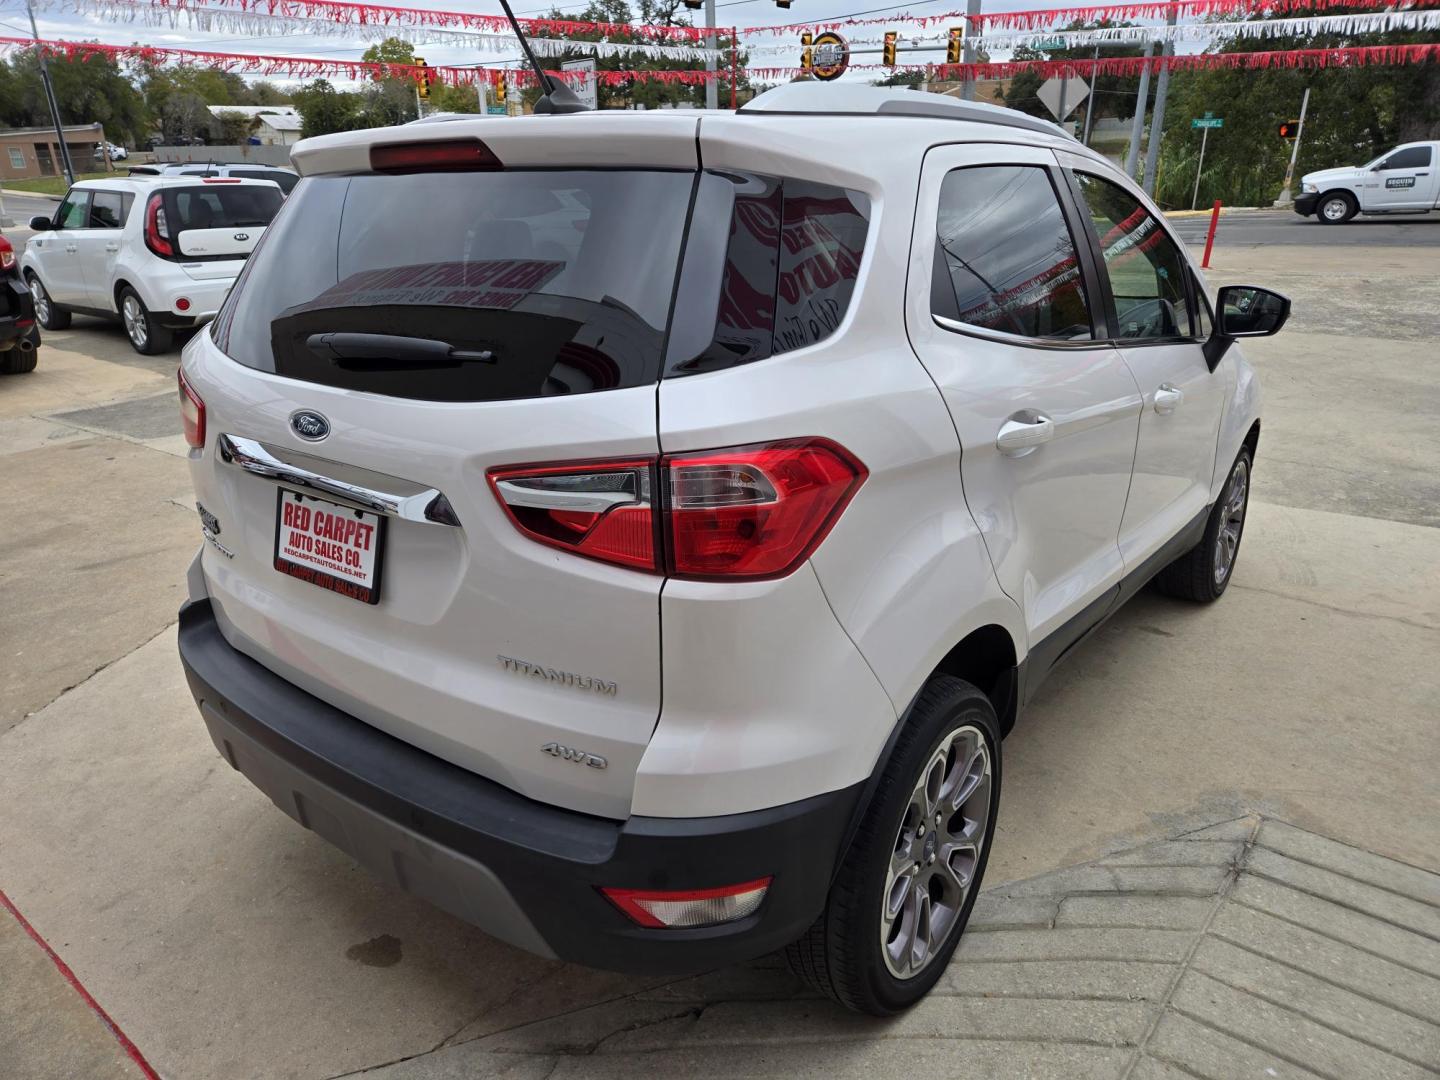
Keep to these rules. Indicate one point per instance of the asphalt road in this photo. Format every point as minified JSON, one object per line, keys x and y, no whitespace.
{"x":21,"y":208}
{"x":1286,"y":227}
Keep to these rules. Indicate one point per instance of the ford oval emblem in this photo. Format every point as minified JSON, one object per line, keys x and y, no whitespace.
{"x":309,"y":425}
{"x":242,"y":236}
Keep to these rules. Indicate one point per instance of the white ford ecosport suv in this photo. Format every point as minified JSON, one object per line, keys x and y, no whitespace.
{"x":158,"y":253}
{"x":635,"y":532}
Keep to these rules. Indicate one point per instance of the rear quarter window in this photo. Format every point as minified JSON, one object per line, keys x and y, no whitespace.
{"x":779,"y":277}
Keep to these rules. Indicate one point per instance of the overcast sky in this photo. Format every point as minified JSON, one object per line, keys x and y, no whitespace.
{"x":57,"y":23}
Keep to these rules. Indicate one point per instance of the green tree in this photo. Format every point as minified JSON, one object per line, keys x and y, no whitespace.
{"x":233,"y":128}
{"x":86,"y":91}
{"x":1355,"y":114}
{"x":324,"y":109}
{"x":389,"y":99}
{"x":265,"y":93}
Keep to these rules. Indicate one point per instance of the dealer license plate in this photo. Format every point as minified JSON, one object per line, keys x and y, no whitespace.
{"x":329,"y":545}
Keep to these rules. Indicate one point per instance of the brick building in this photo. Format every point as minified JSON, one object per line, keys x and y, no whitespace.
{"x":26,"y":153}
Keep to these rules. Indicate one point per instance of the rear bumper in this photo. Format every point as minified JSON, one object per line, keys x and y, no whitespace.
{"x":17,"y":311}
{"x":1305,"y":204}
{"x":523,"y":871}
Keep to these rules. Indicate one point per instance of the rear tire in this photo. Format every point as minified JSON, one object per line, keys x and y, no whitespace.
{"x":147,"y":336}
{"x":17,"y":361}
{"x":46,"y":313}
{"x":903,"y":895}
{"x":1203,"y":572}
{"x":1336,"y":208}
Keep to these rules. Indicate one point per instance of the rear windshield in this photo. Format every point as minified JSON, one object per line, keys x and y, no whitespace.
{"x":465,"y":286}
{"x":286,"y":180}
{"x":221,"y":207}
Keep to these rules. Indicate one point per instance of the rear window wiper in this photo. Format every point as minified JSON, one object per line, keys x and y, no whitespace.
{"x":382,"y":352}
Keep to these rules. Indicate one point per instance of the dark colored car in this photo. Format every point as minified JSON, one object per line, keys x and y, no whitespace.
{"x":19,"y":336}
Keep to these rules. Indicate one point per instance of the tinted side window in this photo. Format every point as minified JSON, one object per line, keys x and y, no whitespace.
{"x":1146,"y":269}
{"x":287,"y":181}
{"x":74,"y":211}
{"x":1004,"y":257}
{"x":1415,"y":157}
{"x":107,"y":210}
{"x":788,"y":272}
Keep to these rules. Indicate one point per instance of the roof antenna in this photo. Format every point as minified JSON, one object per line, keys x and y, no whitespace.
{"x":557,"y":98}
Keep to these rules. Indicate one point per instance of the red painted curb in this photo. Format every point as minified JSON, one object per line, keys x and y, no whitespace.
{"x":131,"y":1050}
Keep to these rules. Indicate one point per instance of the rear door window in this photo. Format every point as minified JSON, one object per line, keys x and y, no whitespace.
{"x":286,"y":180}
{"x":1004,"y":257}
{"x":465,"y":286}
{"x":107,"y":210}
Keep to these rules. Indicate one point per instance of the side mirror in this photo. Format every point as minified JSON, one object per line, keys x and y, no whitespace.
{"x":41,"y":224}
{"x":1244,"y":311}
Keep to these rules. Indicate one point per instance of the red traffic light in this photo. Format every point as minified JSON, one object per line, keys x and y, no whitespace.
{"x":1290,"y":129}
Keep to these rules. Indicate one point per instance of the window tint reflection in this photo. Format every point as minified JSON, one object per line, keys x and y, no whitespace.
{"x":1004,"y":258}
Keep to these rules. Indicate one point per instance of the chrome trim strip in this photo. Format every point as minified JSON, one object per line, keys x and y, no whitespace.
{"x":423,"y":506}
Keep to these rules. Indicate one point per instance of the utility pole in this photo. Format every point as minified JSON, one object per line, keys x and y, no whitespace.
{"x":1157,"y":121}
{"x":969,"y":55}
{"x":50,"y":98}
{"x":712,"y":85}
{"x":1286,"y":198}
{"x":1137,"y":126}
{"x":1200,"y":168}
{"x":1090,"y":104}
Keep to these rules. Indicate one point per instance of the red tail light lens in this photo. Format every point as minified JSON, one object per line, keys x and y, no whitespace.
{"x":751,"y":512}
{"x":157,"y":231}
{"x":192,"y":414}
{"x":598,"y":509}
{"x":755,"y":511}
{"x":451,"y":155}
{"x":7,"y":254}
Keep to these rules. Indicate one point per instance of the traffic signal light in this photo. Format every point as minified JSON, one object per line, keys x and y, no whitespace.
{"x":782,"y":3}
{"x":422,"y":81}
{"x":887,"y":53}
{"x":805,"y":55}
{"x":696,"y":4}
{"x":952,"y":47}
{"x":500,"y":81}
{"x":1290,"y":129}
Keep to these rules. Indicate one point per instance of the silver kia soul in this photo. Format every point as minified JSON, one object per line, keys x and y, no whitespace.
{"x":634,"y":533}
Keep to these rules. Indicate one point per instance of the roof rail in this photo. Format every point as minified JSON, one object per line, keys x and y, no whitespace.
{"x":820,"y":99}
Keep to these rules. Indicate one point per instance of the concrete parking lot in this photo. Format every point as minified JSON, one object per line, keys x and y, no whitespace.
{"x":1218,"y":839}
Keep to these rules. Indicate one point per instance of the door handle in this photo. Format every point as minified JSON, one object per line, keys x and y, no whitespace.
{"x":1168,"y":398}
{"x":71,"y":249}
{"x":112,"y":247}
{"x":1024,"y":432}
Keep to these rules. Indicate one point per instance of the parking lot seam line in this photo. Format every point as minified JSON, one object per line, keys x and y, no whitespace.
{"x":1259,"y":876}
{"x":1340,"y":610}
{"x":131,"y":1050}
{"x":1294,"y":1011}
{"x":1220,"y":936}
{"x":1332,"y":937}
{"x":81,"y":682}
{"x":1270,"y":1051}
{"x":1177,"y":1066}
{"x":1352,"y":877}
{"x":1237,"y":867}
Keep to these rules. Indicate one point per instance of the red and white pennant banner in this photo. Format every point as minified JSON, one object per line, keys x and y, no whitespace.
{"x":1040,"y":18}
{"x":306,"y":67}
{"x":213,"y":17}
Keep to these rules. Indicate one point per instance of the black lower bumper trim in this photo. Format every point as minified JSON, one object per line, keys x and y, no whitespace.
{"x":528,"y":872}
{"x":1305,"y":204}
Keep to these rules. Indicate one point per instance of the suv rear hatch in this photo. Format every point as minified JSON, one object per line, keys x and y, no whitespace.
{"x":406,"y":335}
{"x":213,"y":226}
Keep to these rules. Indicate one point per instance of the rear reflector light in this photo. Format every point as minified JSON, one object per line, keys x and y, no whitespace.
{"x":676,"y":908}
{"x":7,"y":256}
{"x":182,"y":304}
{"x":750,"y":512}
{"x":449,"y":155}
{"x":157,"y":232}
{"x":192,"y":414}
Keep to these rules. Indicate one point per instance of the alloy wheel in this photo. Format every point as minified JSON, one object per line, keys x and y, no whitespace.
{"x":1227,"y":540}
{"x":42,"y":300}
{"x":937,"y":852}
{"x":134,"y":316}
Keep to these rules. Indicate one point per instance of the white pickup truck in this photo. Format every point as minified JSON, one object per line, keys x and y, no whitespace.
{"x":1405,"y":180}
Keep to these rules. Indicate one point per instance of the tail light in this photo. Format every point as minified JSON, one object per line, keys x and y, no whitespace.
{"x":749,"y":512}
{"x":157,"y":230}
{"x":679,"y":908}
{"x":7,"y":254}
{"x":192,"y":414}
